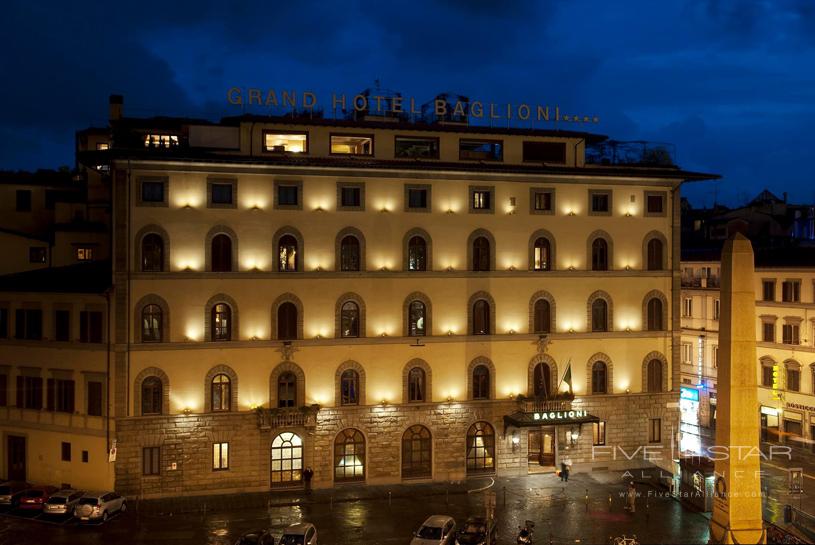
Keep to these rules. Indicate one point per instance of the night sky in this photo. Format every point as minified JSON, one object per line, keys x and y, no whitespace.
{"x":730,"y":83}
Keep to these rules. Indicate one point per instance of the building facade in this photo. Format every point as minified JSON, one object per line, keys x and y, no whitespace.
{"x":382,"y":302}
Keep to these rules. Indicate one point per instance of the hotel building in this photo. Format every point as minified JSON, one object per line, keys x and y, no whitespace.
{"x":379,"y":300}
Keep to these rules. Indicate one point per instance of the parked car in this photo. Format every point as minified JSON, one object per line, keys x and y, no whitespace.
{"x":475,"y":530}
{"x":11,"y":491}
{"x":256,"y":537}
{"x":302,"y":533}
{"x":33,"y":498}
{"x":436,"y":530}
{"x":99,"y":506}
{"x":62,"y":502}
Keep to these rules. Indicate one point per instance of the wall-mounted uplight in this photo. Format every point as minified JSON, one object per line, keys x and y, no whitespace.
{"x":384,"y":334}
{"x":512,"y":267}
{"x":628,"y":267}
{"x":451,"y":211}
{"x":571,"y":330}
{"x":319,"y":209}
{"x":449,"y":332}
{"x":187,"y":411}
{"x":512,"y":332}
{"x":571,"y":267}
{"x":450,"y":268}
{"x":571,"y":213}
{"x":255,"y":208}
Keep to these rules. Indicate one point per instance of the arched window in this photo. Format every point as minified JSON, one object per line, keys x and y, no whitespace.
{"x":599,"y":378}
{"x":481,"y":317}
{"x":543,"y":316}
{"x":417,"y":448}
{"x":221,"y":322}
{"x":349,"y":456}
{"x":151,"y":322}
{"x":599,"y":315}
{"x":416,"y":319}
{"x":287,"y":321}
{"x":655,"y":315}
{"x":287,"y":459}
{"x":152,"y":396}
{"x":152,"y":253}
{"x":541,"y":255}
{"x":481,"y":254}
{"x":287,"y":390}
{"x":221,"y":253}
{"x":221,"y":393}
{"x":654,"y":376}
{"x":417,"y":254}
{"x":349,"y":254}
{"x":481,"y":382}
{"x":543,"y":381}
{"x":349,"y":387}
{"x":287,"y":254}
{"x":599,"y":255}
{"x":349,"y":319}
{"x":416,"y":385}
{"x":480,"y":448}
{"x":655,"y":254}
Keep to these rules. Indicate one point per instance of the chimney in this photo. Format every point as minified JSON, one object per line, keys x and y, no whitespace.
{"x":116,"y":103}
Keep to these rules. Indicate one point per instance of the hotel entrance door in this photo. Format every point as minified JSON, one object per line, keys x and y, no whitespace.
{"x":542,"y":446}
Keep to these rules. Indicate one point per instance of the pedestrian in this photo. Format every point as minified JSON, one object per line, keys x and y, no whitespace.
{"x":563,"y":472}
{"x":567,"y":463}
{"x":631,"y":497}
{"x":308,"y":473}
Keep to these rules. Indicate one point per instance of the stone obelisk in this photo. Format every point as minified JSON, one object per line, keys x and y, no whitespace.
{"x":737,"y":514}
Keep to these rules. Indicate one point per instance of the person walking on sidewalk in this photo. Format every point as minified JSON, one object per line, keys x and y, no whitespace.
{"x":308,"y":473}
{"x":567,"y":468}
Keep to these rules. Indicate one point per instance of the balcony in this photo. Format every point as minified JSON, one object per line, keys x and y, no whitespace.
{"x":711,"y":282}
{"x":294,"y":417}
{"x":561,"y":402}
{"x":636,"y":153}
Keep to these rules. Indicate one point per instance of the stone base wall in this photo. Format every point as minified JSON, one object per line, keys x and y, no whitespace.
{"x":186,"y":441}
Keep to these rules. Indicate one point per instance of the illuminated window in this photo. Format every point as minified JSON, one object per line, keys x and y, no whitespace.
{"x":220,"y":456}
{"x":599,"y":255}
{"x":687,"y":307}
{"x":221,"y":322}
{"x":416,"y":319}
{"x":349,"y":456}
{"x":165,"y":141}
{"x":542,"y":316}
{"x":542,"y":377}
{"x":481,"y":150}
{"x":541,"y":255}
{"x":287,"y":321}
{"x":102,"y":146}
{"x":285,"y":142}
{"x":349,"y":387}
{"x":152,"y":253}
{"x":416,"y":385}
{"x":151,"y":319}
{"x":352,"y":144}
{"x":287,"y":459}
{"x":654,"y":254}
{"x":287,"y":390}
{"x":417,"y":453}
{"x":541,"y":201}
{"x":37,"y":254}
{"x":598,"y":433}
{"x":287,"y":254}
{"x":481,"y":200}
{"x":599,"y":315}
{"x":84,"y":253}
{"x":599,"y":378}
{"x":654,"y":376}
{"x":410,"y":147}
{"x":717,"y":308}
{"x":655,"y":430}
{"x":349,"y":319}
{"x":152,"y":395}
{"x":481,"y":382}
{"x":221,"y":393}
{"x":480,"y":448}
{"x":417,"y":254}
{"x":654,"y":312}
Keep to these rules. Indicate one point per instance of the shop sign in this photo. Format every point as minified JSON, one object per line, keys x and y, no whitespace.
{"x":776,"y":383}
{"x":691,"y":394}
{"x":560,"y":416}
{"x":800,"y":407}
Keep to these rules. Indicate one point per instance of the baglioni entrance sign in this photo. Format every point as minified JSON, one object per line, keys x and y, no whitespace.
{"x":559,"y":416}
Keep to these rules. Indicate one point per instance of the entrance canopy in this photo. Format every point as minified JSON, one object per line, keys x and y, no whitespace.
{"x":547,"y":418}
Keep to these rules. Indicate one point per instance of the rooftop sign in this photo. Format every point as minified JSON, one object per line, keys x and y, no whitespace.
{"x":443,"y":106}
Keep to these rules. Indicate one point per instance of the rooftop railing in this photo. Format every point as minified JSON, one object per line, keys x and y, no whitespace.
{"x":638,"y":153}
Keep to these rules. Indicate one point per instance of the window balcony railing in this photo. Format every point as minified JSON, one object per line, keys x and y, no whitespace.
{"x":561,"y":402}
{"x":638,"y":153}
{"x":269,"y":419}
{"x":694,"y":282}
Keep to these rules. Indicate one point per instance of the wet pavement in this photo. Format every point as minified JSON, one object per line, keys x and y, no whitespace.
{"x":587,"y":509}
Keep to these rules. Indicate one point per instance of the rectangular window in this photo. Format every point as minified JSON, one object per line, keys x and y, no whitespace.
{"x":687,"y":353}
{"x":352,"y":144}
{"x":3,"y":323}
{"x":94,"y":398}
{"x":164,"y":141}
{"x":23,"y":200}
{"x":767,"y":376}
{"x":66,"y":452}
{"x":481,"y":199}
{"x":687,"y":307}
{"x":599,"y":202}
{"x":409,"y":147}
{"x":481,"y":150}
{"x":60,"y":395}
{"x":768,"y":290}
{"x":599,"y":433}
{"x":29,"y":392}
{"x":768,"y":332}
{"x":541,"y":200}
{"x":789,"y":333}
{"x":28,"y":324}
{"x":717,"y":307}
{"x":62,"y":325}
{"x":102,"y":146}
{"x":655,"y":431}
{"x":221,"y":193}
{"x":793,"y":380}
{"x":350,"y":196}
{"x":37,"y":254}
{"x":84,"y":456}
{"x":220,"y":456}
{"x":715,"y":356}
{"x":90,"y":326}
{"x":288,"y":195}
{"x":417,"y":198}
{"x":545,"y":152}
{"x":151,"y":461}
{"x":3,"y":390}
{"x":153,"y":191}
{"x":655,"y":203}
{"x":84,"y":253}
{"x":791,"y":291}
{"x":279,"y":142}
